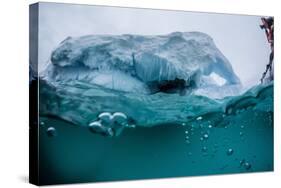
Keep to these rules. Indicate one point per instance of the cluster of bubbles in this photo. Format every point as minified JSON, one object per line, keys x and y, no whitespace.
{"x":187,"y":137}
{"x":246,"y":165}
{"x":205,"y":136}
{"x":241,"y":134}
{"x":108,"y":124}
{"x":50,"y":131}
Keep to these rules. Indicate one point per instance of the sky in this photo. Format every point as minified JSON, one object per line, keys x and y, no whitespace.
{"x":238,"y":37}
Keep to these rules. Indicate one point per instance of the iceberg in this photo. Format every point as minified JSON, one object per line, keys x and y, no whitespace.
{"x":177,"y":62}
{"x":115,"y":99}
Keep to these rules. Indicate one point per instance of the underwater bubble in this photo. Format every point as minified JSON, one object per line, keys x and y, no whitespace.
{"x":201,"y":138}
{"x":241,"y":133}
{"x":42,"y":123}
{"x":242,"y":162}
{"x":51,"y":132}
{"x":186,"y":132}
{"x":247,"y":166}
{"x":131,"y":125}
{"x":187,"y":140}
{"x":97,"y":127}
{"x":204,"y":149}
{"x":183,"y":124}
{"x":210,"y":126}
{"x":199,"y":118}
{"x":229,"y":152}
{"x":119,"y":117}
{"x":205,"y":136}
{"x":105,"y":117}
{"x":242,"y":126}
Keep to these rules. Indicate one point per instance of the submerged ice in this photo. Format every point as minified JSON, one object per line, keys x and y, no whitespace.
{"x":178,"y":62}
{"x":108,"y":112}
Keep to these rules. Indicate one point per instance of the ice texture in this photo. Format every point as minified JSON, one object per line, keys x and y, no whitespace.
{"x":143,"y":64}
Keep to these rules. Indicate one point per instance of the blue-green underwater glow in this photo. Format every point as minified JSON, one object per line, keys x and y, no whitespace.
{"x":164,"y":135}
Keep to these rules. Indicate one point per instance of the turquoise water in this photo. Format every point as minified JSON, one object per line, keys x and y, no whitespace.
{"x":89,"y":133}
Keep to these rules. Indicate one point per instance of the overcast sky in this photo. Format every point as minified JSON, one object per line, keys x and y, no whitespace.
{"x":239,"y":38}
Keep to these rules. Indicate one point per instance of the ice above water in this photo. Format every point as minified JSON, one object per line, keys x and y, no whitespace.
{"x":132,"y":63}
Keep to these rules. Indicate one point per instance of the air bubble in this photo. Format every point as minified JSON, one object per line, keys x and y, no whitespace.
{"x":229,"y":152}
{"x":51,"y":132}
{"x":110,"y":125}
{"x":199,"y":118}
{"x":105,"y":117}
{"x":97,"y":127}
{"x":247,"y":166}
{"x":119,"y":117}
{"x":242,"y":162}
{"x":204,"y":149}
{"x":205,"y":136}
{"x":131,"y":126}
